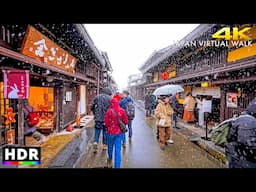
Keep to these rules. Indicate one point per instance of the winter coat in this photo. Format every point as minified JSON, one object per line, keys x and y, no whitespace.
{"x":189,"y":103}
{"x":174,"y":103}
{"x":147,"y":102}
{"x":199,"y":104}
{"x":100,"y":105}
{"x":153,"y":101}
{"x":117,"y":97}
{"x":110,"y":120}
{"x":163,"y":111}
{"x":124,"y":102}
{"x":241,"y":140}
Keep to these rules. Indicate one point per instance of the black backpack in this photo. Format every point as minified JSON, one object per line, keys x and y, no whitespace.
{"x":130,"y":110}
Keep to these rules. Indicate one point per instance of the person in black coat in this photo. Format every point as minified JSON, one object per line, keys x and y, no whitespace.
{"x":241,"y":138}
{"x":148,"y":104}
{"x":99,"y":107}
{"x":175,"y":105}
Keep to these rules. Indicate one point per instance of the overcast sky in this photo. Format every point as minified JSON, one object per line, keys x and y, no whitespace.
{"x":129,"y":45}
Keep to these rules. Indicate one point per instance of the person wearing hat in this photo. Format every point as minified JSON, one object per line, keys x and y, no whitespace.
{"x":163,"y":115}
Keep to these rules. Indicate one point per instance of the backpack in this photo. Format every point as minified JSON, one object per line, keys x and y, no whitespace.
{"x":130,"y":110}
{"x":219,"y":135}
{"x":32,"y":118}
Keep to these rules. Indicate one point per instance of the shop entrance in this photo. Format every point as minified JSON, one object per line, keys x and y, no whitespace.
{"x":42,"y":100}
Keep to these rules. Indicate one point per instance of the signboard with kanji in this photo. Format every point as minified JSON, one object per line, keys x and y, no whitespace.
{"x":16,"y":84}
{"x":38,"y":46}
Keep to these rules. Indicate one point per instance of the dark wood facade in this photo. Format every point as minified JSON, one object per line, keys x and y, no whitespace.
{"x":74,"y":39}
{"x":195,"y":65}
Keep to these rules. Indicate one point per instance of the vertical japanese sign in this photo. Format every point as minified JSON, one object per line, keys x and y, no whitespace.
{"x":38,"y":46}
{"x":232,"y":100}
{"x":16,"y":84}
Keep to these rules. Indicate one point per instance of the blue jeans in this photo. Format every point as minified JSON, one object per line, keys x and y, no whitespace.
{"x":129,"y":131}
{"x":99,"y":126}
{"x":115,"y":140}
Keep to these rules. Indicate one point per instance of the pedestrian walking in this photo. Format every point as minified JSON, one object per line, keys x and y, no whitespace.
{"x":127,"y":104}
{"x":189,"y":107}
{"x":163,"y":115}
{"x":99,"y":107}
{"x":147,"y":104}
{"x":175,"y":105}
{"x":114,"y":133}
{"x":152,"y":104}
{"x":241,"y":139}
{"x":200,"y":113}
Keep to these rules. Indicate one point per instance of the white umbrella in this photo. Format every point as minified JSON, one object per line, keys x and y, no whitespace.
{"x":168,"y":90}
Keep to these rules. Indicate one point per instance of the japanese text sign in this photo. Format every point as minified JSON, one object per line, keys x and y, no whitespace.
{"x":16,"y":84}
{"x":38,"y":46}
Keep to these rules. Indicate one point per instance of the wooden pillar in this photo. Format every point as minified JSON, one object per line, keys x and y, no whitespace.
{"x":20,"y":123}
{"x":59,"y":109}
{"x":222,"y":103}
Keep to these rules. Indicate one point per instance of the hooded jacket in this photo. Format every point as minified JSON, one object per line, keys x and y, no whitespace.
{"x":241,"y":138}
{"x":163,"y":111}
{"x":100,"y":104}
{"x":110,"y":119}
{"x":124,"y":102}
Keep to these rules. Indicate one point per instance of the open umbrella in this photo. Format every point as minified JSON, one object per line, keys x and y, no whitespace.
{"x":168,"y":90}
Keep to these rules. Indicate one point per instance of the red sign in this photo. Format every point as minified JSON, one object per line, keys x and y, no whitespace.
{"x":16,"y":84}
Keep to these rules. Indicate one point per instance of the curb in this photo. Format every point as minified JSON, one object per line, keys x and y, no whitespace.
{"x":220,"y":156}
{"x":52,"y":149}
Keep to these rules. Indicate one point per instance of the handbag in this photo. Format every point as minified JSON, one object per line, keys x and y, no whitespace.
{"x":121,"y":123}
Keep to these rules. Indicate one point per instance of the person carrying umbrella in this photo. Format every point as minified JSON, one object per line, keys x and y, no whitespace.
{"x":163,"y":115}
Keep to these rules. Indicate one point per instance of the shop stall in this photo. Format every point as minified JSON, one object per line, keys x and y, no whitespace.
{"x":42,"y":100}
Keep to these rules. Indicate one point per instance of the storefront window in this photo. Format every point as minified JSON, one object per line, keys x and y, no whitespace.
{"x":42,"y":100}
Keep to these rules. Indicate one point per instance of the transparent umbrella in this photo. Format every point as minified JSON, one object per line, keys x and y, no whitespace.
{"x":168,"y":90}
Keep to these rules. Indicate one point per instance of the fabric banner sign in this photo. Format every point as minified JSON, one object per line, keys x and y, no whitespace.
{"x":16,"y":84}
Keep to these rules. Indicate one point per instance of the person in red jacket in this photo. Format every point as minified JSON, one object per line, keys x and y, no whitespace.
{"x":114,"y":133}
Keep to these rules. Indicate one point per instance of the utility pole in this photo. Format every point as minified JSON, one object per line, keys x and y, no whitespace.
{"x":20,"y":123}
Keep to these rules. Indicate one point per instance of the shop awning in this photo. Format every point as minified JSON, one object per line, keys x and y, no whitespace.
{"x":18,"y":56}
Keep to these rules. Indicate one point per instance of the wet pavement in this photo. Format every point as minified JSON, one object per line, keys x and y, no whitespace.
{"x":144,"y":152}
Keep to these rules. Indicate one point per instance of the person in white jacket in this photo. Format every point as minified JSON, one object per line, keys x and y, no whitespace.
{"x":199,"y":102}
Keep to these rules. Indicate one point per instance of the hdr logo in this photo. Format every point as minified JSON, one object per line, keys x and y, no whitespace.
{"x":21,"y":155}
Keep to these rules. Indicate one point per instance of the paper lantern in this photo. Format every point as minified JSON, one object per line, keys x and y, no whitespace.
{"x":204,"y":84}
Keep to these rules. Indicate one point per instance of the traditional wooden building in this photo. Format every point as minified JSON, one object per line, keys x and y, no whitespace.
{"x":65,"y":71}
{"x":221,"y":72}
